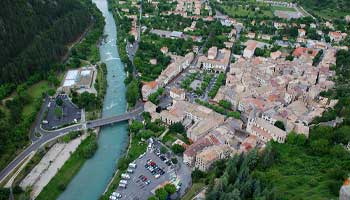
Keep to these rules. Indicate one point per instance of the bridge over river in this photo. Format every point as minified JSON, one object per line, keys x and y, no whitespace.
{"x":47,"y":136}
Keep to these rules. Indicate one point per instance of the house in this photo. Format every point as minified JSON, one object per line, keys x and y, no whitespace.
{"x":209,"y":155}
{"x":153,"y":61}
{"x":301,"y":32}
{"x":250,"y":49}
{"x":217,"y":60}
{"x":275,"y":55}
{"x":148,"y":88}
{"x":278,"y":25}
{"x":265,"y":37}
{"x":335,"y":36}
{"x":264,"y":130}
{"x":164,"y":50}
{"x":248,"y":144}
{"x":251,"y":35}
{"x":344,"y":193}
{"x":177,"y":93}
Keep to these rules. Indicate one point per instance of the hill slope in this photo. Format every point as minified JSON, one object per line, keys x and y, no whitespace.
{"x":34,"y":33}
{"x":328,"y":9}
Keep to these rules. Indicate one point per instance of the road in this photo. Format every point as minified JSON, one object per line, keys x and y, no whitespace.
{"x":47,"y":136}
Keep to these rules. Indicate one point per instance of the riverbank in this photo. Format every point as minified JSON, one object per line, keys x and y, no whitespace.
{"x":47,"y":168}
{"x":60,"y":181}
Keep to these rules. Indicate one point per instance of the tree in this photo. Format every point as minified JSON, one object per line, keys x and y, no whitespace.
{"x":59,"y":101}
{"x":234,"y":114}
{"x":176,"y":128}
{"x":320,"y":146}
{"x":259,"y":52}
{"x":58,"y":112}
{"x":177,"y":149}
{"x":161,"y":193}
{"x":146,"y":134}
{"x":197,"y":175}
{"x":163,"y":150}
{"x":280,"y":124}
{"x":136,"y":126}
{"x":174,"y":160}
{"x":131,"y":38}
{"x":170,"y":188}
{"x":132,"y":92}
{"x":290,"y":58}
{"x":226,"y":104}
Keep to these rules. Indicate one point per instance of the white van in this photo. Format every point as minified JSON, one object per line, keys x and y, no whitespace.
{"x":132,"y":165}
{"x":125,"y":176}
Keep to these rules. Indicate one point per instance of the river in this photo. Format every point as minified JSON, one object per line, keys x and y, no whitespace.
{"x":96,"y":172}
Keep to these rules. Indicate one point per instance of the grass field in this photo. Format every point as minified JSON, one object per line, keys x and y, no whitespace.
{"x":196,"y":188}
{"x":282,"y":8}
{"x":243,"y":12}
{"x":35,"y":92}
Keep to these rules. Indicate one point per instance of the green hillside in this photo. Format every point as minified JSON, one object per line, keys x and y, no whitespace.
{"x":328,"y":9}
{"x":35,"y":34}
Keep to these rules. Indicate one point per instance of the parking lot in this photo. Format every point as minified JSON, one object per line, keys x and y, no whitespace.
{"x":143,"y":182}
{"x":70,"y":113}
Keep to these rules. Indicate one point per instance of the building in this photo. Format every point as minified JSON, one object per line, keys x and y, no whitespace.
{"x":301,"y":33}
{"x":344,"y":193}
{"x":251,"y":35}
{"x":191,"y":152}
{"x":199,"y":119}
{"x":217,"y":60}
{"x":149,"y":88}
{"x":178,"y":64}
{"x":80,"y":80}
{"x":209,"y":155}
{"x":250,"y":49}
{"x":335,"y":36}
{"x":178,"y":94}
{"x":265,"y":131}
{"x":275,"y":55}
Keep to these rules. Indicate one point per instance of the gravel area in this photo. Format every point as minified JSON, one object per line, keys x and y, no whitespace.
{"x":49,"y":165}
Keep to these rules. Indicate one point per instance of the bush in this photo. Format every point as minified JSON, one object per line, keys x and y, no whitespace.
{"x":177,"y":149}
{"x":177,"y":128}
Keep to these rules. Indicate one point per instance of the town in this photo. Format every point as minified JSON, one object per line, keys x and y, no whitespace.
{"x":232,"y":85}
{"x":194,"y":100}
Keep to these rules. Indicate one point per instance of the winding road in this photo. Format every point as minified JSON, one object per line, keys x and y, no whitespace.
{"x":47,"y":136}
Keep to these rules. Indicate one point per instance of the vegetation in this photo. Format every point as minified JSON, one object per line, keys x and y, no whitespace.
{"x":177,"y":149}
{"x":204,"y":84}
{"x":147,"y":51}
{"x":328,"y":9}
{"x":72,"y":166}
{"x":177,"y":128}
{"x":236,"y":180}
{"x":43,"y":43}
{"x":185,"y":84}
{"x":50,"y":28}
{"x":86,"y":100}
{"x":219,"y":82}
{"x":164,"y":192}
{"x":220,"y":109}
{"x":154,"y":97}
{"x":316,"y":167}
{"x":133,"y":92}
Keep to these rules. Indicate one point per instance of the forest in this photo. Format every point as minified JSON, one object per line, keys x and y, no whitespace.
{"x":49,"y":29}
{"x":36,"y":36}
